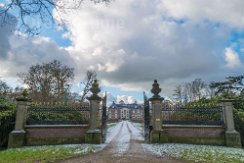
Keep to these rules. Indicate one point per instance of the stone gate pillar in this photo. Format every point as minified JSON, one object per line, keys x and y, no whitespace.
{"x":157,"y":134}
{"x":232,"y":137}
{"x":94,"y":134}
{"x":17,"y":136}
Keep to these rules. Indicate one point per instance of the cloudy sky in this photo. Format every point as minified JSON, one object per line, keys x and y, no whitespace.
{"x":132,"y":42}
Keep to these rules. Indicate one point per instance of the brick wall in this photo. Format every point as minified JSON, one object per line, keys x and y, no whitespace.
{"x":213,"y":135}
{"x":46,"y":135}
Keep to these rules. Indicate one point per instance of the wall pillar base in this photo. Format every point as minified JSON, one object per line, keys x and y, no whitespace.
{"x":16,"y":139}
{"x":93,"y":136}
{"x":233,"y":139}
{"x":158,"y":137}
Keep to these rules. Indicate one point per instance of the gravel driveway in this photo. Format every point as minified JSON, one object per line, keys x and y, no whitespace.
{"x":125,"y":147}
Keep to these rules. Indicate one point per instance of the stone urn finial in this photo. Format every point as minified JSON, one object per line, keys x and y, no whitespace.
{"x":24,"y":93}
{"x":24,"y":96}
{"x":155,"y":89}
{"x":95,"y":88}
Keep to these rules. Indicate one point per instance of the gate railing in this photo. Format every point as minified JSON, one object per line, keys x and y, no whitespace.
{"x":104,"y":118}
{"x":193,"y":116}
{"x":146,"y":117}
{"x":58,"y":114}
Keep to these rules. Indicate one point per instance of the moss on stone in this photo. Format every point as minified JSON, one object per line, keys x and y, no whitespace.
{"x":16,"y":139}
{"x":158,"y":137}
{"x":93,"y":138}
{"x":233,"y":139}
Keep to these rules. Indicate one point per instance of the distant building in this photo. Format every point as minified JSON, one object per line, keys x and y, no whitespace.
{"x":122,"y":111}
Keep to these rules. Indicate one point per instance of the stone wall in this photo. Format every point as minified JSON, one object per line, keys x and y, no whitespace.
{"x":211,"y":135}
{"x":51,"y":134}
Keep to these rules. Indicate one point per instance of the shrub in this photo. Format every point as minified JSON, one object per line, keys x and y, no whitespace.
{"x":6,"y":109}
{"x":239,"y":123}
{"x":239,"y":118}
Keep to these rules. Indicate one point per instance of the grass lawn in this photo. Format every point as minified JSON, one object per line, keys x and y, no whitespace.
{"x":52,"y":153}
{"x":197,"y":153}
{"x":42,"y":154}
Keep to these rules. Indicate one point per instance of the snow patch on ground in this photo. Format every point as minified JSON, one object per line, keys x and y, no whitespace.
{"x":136,"y":131}
{"x":197,"y":153}
{"x":73,"y":148}
{"x":112,"y":132}
{"x":123,"y":140}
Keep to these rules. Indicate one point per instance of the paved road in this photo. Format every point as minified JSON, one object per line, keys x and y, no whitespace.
{"x":124,"y":148}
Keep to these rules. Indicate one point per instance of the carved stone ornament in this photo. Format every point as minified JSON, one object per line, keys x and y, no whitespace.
{"x":24,"y":96}
{"x":95,"y":88}
{"x":155,"y":89}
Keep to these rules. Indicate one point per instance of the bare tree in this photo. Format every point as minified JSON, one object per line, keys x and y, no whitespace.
{"x":49,"y":81}
{"x":179,"y":93}
{"x":242,"y":93}
{"x":33,"y":13}
{"x":62,"y":76}
{"x":191,"y":91}
{"x":87,"y":83}
{"x":198,"y":89}
{"x":188,"y":92}
{"x":5,"y":90}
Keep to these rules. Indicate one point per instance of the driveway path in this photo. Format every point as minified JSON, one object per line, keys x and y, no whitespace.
{"x":125,"y":147}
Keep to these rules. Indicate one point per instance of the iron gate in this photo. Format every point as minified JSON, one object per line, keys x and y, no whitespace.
{"x":104,"y":118}
{"x":146,"y":117}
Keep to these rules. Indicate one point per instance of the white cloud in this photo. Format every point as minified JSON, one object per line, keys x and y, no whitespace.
{"x":228,"y":12}
{"x":132,"y":42}
{"x":232,"y":58}
{"x":7,"y":26}
{"x":26,"y":51}
{"x":126,"y":99}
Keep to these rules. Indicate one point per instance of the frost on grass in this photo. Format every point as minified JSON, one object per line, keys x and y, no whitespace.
{"x":71,"y":148}
{"x":86,"y":148}
{"x":197,"y":153}
{"x":50,"y":152}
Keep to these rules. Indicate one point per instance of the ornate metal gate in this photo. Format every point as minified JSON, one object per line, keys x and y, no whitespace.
{"x":146,"y":117}
{"x":104,"y":117}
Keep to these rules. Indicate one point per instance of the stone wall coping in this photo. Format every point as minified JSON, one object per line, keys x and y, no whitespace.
{"x":55,"y":126}
{"x":227,"y":100}
{"x":193,"y":126}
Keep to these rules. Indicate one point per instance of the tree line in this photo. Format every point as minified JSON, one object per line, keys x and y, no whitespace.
{"x":198,"y":89}
{"x":49,"y":82}
{"x":197,"y":92}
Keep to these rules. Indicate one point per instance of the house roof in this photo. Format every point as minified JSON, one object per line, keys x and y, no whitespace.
{"x":123,"y":105}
